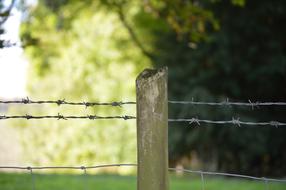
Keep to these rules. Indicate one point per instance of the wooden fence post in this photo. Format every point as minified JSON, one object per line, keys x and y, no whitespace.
{"x":152,"y":130}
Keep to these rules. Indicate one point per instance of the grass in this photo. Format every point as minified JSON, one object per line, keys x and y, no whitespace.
{"x":10,"y":181}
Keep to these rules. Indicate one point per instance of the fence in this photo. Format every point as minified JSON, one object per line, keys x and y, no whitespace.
{"x":152,"y":130}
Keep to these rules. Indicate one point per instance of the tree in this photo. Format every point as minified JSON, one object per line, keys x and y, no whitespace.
{"x":214,"y":50}
{"x":244,"y":59}
{"x":4,"y":15}
{"x":88,"y":64}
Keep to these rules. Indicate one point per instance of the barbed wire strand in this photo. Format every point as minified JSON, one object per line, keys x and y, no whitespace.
{"x":64,"y":167}
{"x":234,"y":121}
{"x":229,"y":103}
{"x":250,"y":103}
{"x":64,"y":102}
{"x":133,"y":165}
{"x":62,"y":117}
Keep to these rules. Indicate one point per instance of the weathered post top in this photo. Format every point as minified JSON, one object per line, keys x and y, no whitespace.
{"x":152,"y":129}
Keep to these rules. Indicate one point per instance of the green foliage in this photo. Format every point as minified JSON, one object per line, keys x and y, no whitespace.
{"x":87,"y":57}
{"x":185,"y":17}
{"x":214,"y":49}
{"x":238,"y":2}
{"x":4,"y":15}
{"x":244,"y":60}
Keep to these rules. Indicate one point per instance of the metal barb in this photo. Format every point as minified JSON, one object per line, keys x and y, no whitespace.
{"x":28,"y":117}
{"x":274,"y":123}
{"x":116,"y":104}
{"x":26,"y":100}
{"x":60,"y":102}
{"x":126,"y":117}
{"x":195,"y":120}
{"x":61,"y":117}
{"x":83,"y":168}
{"x":236,"y":121}
{"x":92,"y":117}
{"x":87,"y":104}
{"x":226,"y":102}
{"x":252,"y":104}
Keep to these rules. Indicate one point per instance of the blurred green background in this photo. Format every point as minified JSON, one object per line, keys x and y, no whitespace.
{"x":215,"y":49}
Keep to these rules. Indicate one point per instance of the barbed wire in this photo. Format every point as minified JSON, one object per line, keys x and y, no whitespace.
{"x":62,"y":117}
{"x":64,"y":167}
{"x":229,"y":175}
{"x":84,"y":168}
{"x":120,"y":103}
{"x":234,"y":121}
{"x":64,"y":102}
{"x":229,"y":103}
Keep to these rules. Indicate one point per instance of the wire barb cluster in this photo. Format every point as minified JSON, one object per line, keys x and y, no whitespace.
{"x":64,"y":102}
{"x":62,"y":117}
{"x":234,"y":121}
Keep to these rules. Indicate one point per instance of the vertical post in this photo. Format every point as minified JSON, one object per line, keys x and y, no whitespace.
{"x":152,"y":130}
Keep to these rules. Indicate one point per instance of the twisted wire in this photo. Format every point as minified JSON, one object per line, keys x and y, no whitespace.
{"x":234,"y":121}
{"x":229,"y":103}
{"x":65,"y":167}
{"x":250,"y":103}
{"x":197,"y":121}
{"x":62,"y":117}
{"x":64,"y":102}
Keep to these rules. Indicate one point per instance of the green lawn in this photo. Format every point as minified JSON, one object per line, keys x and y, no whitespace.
{"x":115,"y":182}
